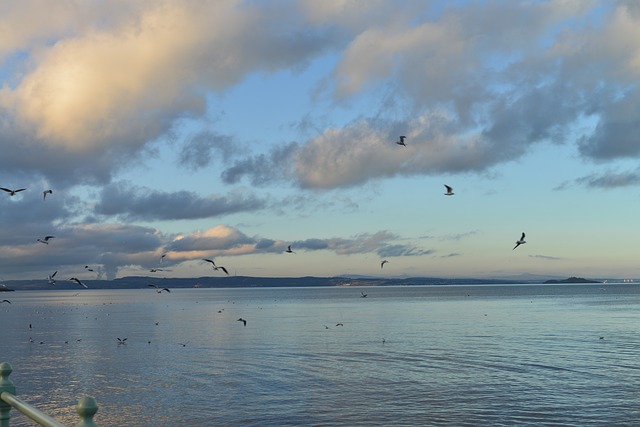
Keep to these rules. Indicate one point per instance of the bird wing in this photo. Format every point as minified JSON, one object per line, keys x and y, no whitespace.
{"x":49,"y":237}
{"x":21,"y":189}
{"x":54,"y":274}
{"x":5,"y":189}
{"x":522,"y":238}
{"x":224,"y":269}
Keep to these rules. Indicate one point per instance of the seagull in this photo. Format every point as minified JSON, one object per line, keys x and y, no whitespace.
{"x":162,"y":257}
{"x":73,"y":279}
{"x":52,"y":281}
{"x":363,"y":295}
{"x":5,"y":300}
{"x":383,"y":263}
{"x":46,"y":239}
{"x":401,"y":141}
{"x":219,"y":267}
{"x":339,"y":324}
{"x":213,"y":264}
{"x":88,"y":268}
{"x":12,"y":192}
{"x":45,"y":192}
{"x":121,"y":341}
{"x":153,"y":270}
{"x":243,"y":321}
{"x":449,"y":191}
{"x":159,"y":288}
{"x":520,"y":242}
{"x":289,"y":251}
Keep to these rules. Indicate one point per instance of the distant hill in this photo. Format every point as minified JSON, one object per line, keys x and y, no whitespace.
{"x":572,"y":280}
{"x":141,"y":282}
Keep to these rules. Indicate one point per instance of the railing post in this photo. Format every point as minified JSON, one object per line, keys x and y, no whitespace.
{"x":87,"y":408}
{"x":6,"y":385}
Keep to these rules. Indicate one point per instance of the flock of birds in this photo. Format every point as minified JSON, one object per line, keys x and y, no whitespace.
{"x":51,"y":278}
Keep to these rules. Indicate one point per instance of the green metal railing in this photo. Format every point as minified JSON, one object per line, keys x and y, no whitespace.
{"x":86,"y":407}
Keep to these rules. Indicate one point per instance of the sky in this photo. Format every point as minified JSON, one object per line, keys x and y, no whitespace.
{"x":231,"y":129}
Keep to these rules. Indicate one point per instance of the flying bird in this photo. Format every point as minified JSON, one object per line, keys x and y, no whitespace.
{"x":159,"y":288}
{"x":46,"y":239}
{"x":243,"y":321}
{"x":52,"y":281}
{"x":289,"y":251}
{"x":45,"y":192}
{"x":383,"y":263}
{"x":74,"y":279}
{"x":219,"y":267}
{"x":401,"y":141}
{"x":363,"y":295}
{"x":12,"y":192}
{"x":153,"y":270}
{"x":5,"y":300}
{"x":449,"y":191}
{"x":122,"y":341}
{"x":520,"y":242}
{"x":213,"y":264}
{"x":88,"y":268}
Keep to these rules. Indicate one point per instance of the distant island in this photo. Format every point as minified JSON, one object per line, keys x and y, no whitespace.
{"x":572,"y":280}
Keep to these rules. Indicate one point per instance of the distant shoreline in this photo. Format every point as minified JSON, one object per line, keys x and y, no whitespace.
{"x":139,"y":282}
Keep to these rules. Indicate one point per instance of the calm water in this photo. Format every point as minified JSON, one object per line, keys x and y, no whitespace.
{"x":415,"y":356}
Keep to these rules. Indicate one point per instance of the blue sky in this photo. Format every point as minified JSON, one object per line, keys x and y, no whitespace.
{"x":232,"y":129}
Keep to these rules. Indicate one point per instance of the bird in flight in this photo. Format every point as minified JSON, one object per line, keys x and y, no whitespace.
{"x":45,"y":192}
{"x":243,"y":321}
{"x":5,"y":300}
{"x":289,"y":251}
{"x":12,"y":192}
{"x":153,"y":270}
{"x":449,"y":191}
{"x":88,"y":268}
{"x":363,"y":295}
{"x":122,"y":341}
{"x":46,"y":239}
{"x":52,"y":281}
{"x":74,"y":279}
{"x":383,"y":263}
{"x":213,"y":264}
{"x":159,"y":288}
{"x":219,"y":267}
{"x":520,"y":242}
{"x":401,"y":141}
{"x":162,"y":257}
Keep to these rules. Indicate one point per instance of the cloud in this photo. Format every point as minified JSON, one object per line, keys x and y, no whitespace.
{"x":138,"y":203}
{"x":110,"y":83}
{"x":203,"y":147}
{"x":546,"y":257}
{"x":610,"y":180}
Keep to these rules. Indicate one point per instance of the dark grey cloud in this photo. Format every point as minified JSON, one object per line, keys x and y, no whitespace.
{"x":137,"y":203}
{"x":263,"y":169}
{"x":610,"y":180}
{"x":546,"y":257}
{"x":200,"y":149}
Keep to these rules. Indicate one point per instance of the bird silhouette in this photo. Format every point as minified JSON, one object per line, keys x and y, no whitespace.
{"x":74,"y":279}
{"x":383,"y":263}
{"x":401,"y":141}
{"x":289,"y":251}
{"x":45,"y":192}
{"x":52,"y":281}
{"x":46,"y":239}
{"x":243,"y":321}
{"x":520,"y":242}
{"x":363,"y":295}
{"x":5,"y":300}
{"x":12,"y":192}
{"x":449,"y":190}
{"x":213,"y":264}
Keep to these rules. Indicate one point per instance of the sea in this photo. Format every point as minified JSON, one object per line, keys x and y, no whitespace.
{"x":483,"y":355}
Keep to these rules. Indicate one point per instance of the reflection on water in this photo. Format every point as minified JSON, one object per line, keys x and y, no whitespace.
{"x":451,"y":355}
